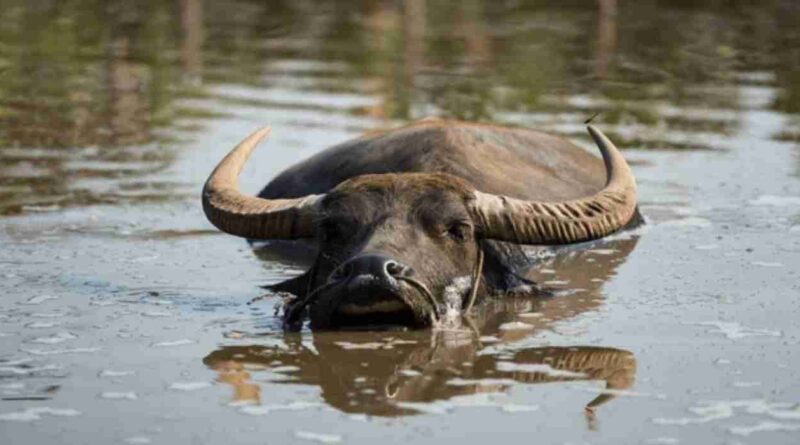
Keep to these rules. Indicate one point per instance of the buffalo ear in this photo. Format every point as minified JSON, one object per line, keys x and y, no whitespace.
{"x":503,"y":267}
{"x":296,"y":286}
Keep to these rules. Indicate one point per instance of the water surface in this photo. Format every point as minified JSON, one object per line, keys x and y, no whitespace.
{"x":123,"y":315}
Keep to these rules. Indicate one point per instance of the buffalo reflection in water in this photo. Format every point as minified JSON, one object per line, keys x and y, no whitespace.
{"x":390,"y":373}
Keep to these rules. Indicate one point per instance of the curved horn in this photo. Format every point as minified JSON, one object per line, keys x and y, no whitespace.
{"x":584,"y":219}
{"x":248,"y":216}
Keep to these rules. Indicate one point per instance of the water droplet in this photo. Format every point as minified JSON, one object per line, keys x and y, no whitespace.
{"x":318,"y":437}
{"x":189,"y":386}
{"x":112,"y":395}
{"x":167,"y":344}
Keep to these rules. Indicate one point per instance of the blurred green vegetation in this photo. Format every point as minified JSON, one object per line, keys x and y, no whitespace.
{"x":84,"y":72}
{"x":113,"y":73}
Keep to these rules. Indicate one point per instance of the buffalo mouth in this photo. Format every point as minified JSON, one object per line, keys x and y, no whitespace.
{"x":371,"y":307}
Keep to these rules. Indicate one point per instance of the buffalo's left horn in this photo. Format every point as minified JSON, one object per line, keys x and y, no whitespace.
{"x":248,"y":216}
{"x":547,"y":223}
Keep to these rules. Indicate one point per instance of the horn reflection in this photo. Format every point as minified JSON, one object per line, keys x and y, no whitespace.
{"x":391,"y":376}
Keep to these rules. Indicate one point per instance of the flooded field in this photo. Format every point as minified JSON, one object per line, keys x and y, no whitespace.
{"x":123,"y":315}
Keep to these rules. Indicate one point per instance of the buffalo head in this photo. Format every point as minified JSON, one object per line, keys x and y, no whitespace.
{"x":405,"y":248}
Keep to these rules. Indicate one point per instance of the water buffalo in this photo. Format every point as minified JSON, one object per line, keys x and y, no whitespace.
{"x":415,"y":223}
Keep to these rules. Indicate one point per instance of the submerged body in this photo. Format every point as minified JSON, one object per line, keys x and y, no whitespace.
{"x":409,"y":222}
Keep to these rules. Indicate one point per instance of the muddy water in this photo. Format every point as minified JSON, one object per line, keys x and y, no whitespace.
{"x":123,"y":315}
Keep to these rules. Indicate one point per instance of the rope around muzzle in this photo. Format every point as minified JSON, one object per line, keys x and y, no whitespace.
{"x":476,"y":276}
{"x":422,"y":289}
{"x":296,"y":308}
{"x":291,"y":313}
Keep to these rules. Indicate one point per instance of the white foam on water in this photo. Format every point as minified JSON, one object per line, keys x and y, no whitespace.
{"x":746,"y":384}
{"x":243,"y":402}
{"x":480,"y":382}
{"x":32,"y":414}
{"x":621,"y":392}
{"x":158,"y":301}
{"x":766,"y":263}
{"x":144,"y":259}
{"x":39,"y":299}
{"x":603,"y":251}
{"x":776,"y":201}
{"x":479,"y":400}
{"x":60,"y":351}
{"x":102,"y":302}
{"x":718,"y":410}
{"x":514,"y":408}
{"x":735,"y":331}
{"x":48,"y":314}
{"x":358,"y":417}
{"x":781,"y":411}
{"x":156,"y":314}
{"x":663,"y":440}
{"x":41,"y":325}
{"x":691,"y":222}
{"x":397,"y":341}
{"x":318,"y":437}
{"x":138,"y":440}
{"x":706,"y":247}
{"x":765,"y":426}
{"x":427,"y":408}
{"x":530,"y":315}
{"x":704,"y":414}
{"x":113,"y":373}
{"x":169,"y":344}
{"x":115,"y":395}
{"x":515,"y":326}
{"x":367,"y":345}
{"x":234,"y":335}
{"x":286,"y":368}
{"x":56,"y":338}
{"x":409,"y":372}
{"x":189,"y":386}
{"x":260,"y":410}
{"x":542,"y":368}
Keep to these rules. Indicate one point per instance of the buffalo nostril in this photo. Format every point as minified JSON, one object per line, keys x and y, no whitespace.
{"x":393,"y":268}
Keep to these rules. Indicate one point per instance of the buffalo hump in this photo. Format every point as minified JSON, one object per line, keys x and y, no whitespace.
{"x":516,"y":162}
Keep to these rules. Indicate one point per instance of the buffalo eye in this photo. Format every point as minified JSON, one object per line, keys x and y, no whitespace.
{"x":458,"y":230}
{"x":332,"y":231}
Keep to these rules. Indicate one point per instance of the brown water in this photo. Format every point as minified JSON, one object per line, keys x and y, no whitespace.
{"x":123,"y":315}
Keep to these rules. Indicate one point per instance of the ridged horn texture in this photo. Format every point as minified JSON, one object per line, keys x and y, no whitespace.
{"x":550,"y":223}
{"x":248,"y":216}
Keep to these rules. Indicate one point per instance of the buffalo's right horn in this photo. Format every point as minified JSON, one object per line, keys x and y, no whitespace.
{"x":583,"y":219}
{"x":247,"y":216}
